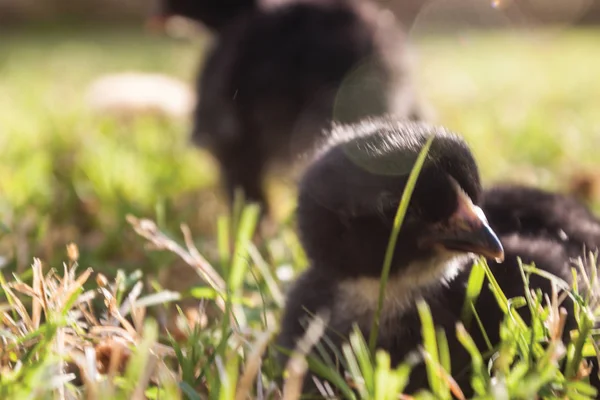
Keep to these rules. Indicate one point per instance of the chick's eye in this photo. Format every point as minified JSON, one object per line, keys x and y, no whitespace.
{"x":387,"y":207}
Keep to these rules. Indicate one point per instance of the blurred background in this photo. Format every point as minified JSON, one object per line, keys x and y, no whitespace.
{"x":455,"y":11}
{"x":518,"y":78}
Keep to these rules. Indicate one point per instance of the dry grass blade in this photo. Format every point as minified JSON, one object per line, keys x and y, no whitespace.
{"x":191,"y":247}
{"x":24,"y":288}
{"x":9,"y":323}
{"x":38,"y":287}
{"x":107,"y":330}
{"x":583,"y":275}
{"x":161,"y":350}
{"x":142,"y":383}
{"x":148,"y":230}
{"x":238,"y":313}
{"x":252,"y":366}
{"x":76,"y":285}
{"x":118,"y":354}
{"x":262,"y":266}
{"x":73,"y":252}
{"x":130,"y":328}
{"x":134,"y":293}
{"x":129,"y":307}
{"x":297,"y":364}
{"x":59,"y":344}
{"x":557,"y":317}
{"x":18,"y":306}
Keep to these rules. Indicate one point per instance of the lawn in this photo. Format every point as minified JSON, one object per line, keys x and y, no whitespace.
{"x":527,"y":102}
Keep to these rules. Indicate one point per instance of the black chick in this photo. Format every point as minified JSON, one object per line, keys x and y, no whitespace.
{"x":276,"y":78}
{"x":214,"y":14}
{"x":535,"y":213}
{"x":347,"y":202}
{"x":550,"y":230}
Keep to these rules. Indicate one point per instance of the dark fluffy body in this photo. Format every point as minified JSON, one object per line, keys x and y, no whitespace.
{"x":275,"y":79}
{"x":347,"y":201}
{"x":535,"y":213}
{"x":550,"y":230}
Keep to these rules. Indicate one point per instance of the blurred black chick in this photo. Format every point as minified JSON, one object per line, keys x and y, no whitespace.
{"x":276,"y":78}
{"x":531,"y":212}
{"x":550,"y":230}
{"x":347,"y":202}
{"x":213,"y":14}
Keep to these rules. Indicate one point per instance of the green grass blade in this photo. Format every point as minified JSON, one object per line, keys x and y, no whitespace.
{"x":431,"y":347}
{"x":229,"y":382}
{"x":240,"y":262}
{"x":223,"y":236}
{"x":331,"y":375}
{"x":574,"y":360}
{"x":480,"y":377}
{"x":363,"y":356}
{"x":189,"y":391}
{"x":486,"y":338}
{"x":354,"y":370}
{"x":239,"y":265}
{"x":474,"y":285}
{"x":389,"y":254}
{"x":136,"y":368}
{"x":389,"y":383}
{"x":444,"y":350}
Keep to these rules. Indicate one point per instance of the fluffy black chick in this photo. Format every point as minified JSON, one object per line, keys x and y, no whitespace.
{"x":550,"y":230}
{"x":276,"y":78}
{"x":527,"y":212}
{"x":347,"y":203}
{"x":214,"y":14}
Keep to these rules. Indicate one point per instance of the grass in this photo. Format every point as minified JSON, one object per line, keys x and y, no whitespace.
{"x":71,"y":176}
{"x":524,"y":100}
{"x":75,"y":174}
{"x":98,"y":343}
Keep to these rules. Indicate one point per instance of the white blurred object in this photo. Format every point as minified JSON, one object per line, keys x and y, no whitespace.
{"x":285,"y":273}
{"x":131,"y":94}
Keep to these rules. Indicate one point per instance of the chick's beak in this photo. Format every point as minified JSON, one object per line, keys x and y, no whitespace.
{"x":468,"y":230}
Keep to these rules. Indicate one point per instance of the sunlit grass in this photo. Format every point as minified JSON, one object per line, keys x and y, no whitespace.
{"x":526,"y":101}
